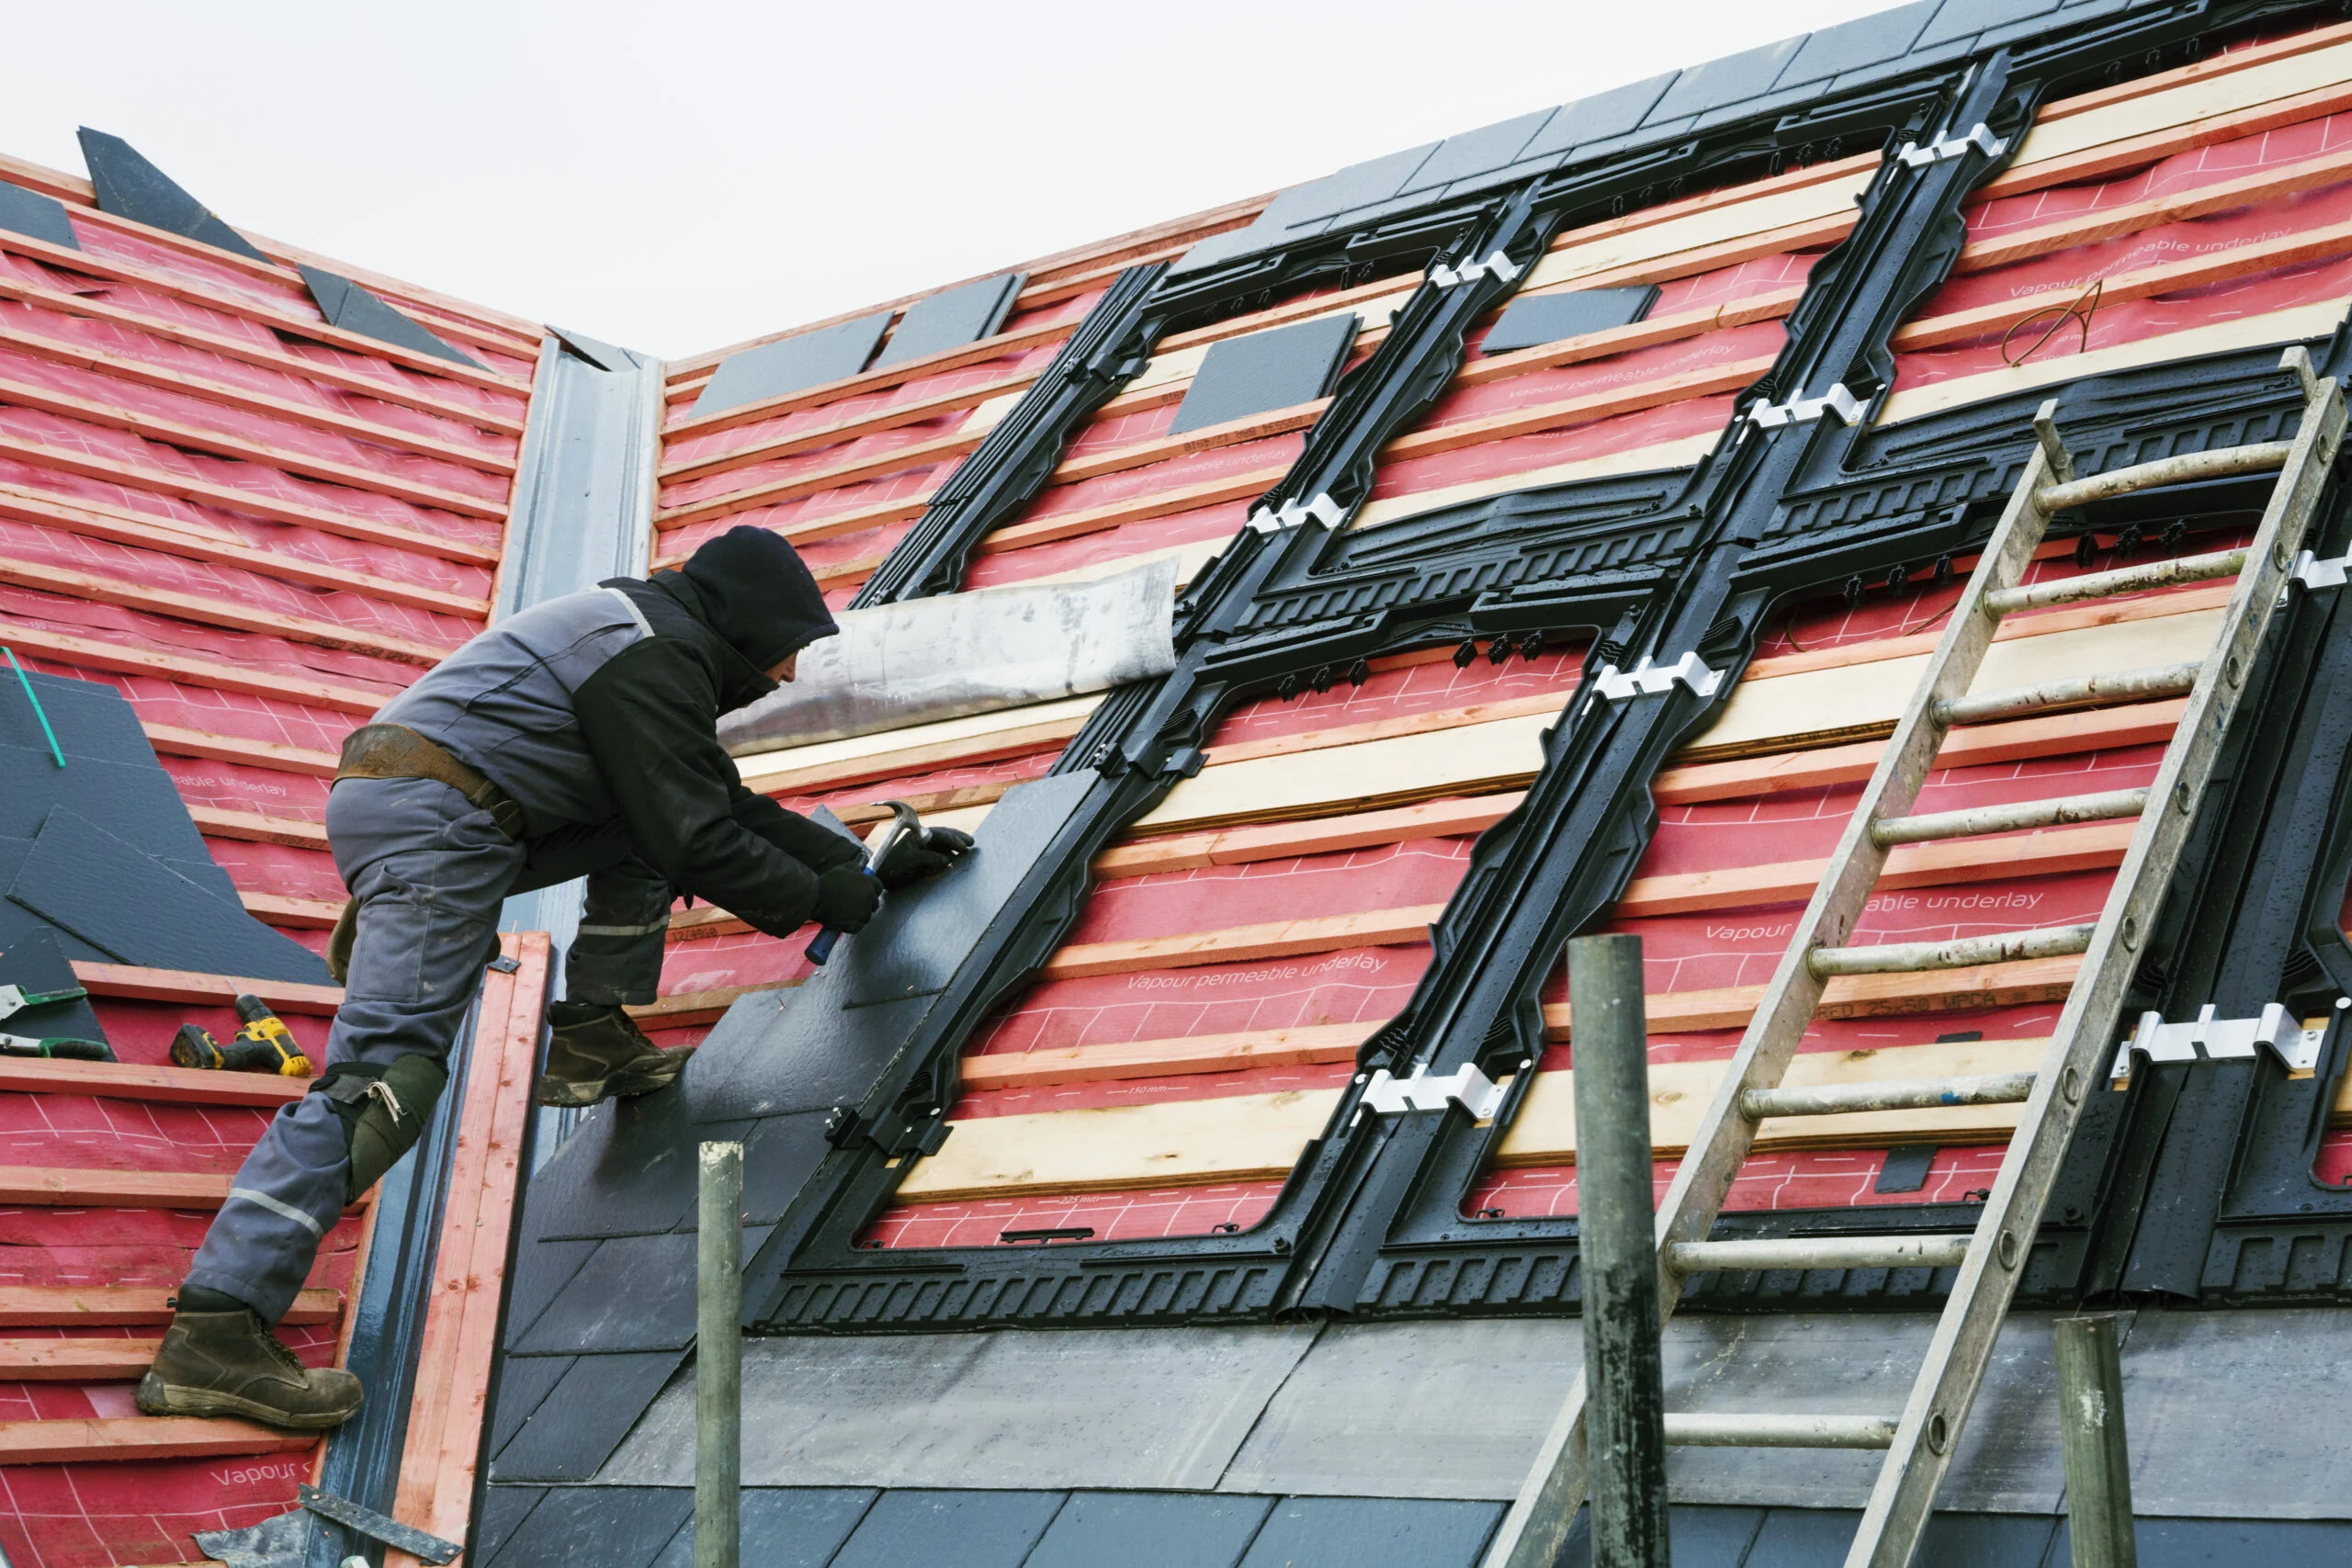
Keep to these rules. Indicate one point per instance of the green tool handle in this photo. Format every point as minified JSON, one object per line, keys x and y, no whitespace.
{"x":27,"y":682}
{"x":65,"y":1050}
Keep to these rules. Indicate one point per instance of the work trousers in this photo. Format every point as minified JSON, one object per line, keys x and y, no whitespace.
{"x":428,"y":871}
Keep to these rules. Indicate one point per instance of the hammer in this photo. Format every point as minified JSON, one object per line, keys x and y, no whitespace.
{"x":904,"y":821}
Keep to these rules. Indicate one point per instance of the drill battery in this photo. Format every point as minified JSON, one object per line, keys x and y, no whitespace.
{"x":264,"y":1045}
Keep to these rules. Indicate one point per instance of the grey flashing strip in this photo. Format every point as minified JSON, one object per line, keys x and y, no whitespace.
{"x":38,"y":217}
{"x":130,"y":186}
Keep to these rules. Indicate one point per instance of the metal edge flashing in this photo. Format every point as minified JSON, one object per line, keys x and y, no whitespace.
{"x":1698,"y":560}
{"x":576,"y":415}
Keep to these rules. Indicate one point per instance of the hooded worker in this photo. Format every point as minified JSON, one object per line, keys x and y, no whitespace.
{"x":575,"y":738}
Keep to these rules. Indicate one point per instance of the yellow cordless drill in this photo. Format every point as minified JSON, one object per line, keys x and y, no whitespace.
{"x":264,"y":1045}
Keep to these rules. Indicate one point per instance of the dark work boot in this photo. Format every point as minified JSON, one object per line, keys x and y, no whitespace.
{"x":229,"y":1363}
{"x":598,"y":1052}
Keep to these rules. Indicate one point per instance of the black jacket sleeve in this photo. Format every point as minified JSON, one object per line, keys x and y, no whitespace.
{"x":650,"y":716}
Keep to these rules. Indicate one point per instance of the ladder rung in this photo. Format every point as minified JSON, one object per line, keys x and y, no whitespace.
{"x":1818,"y":1252}
{"x":2183,"y":469}
{"x":1917,"y":1094}
{"x":1694,"y":1431}
{"x":2007,"y":818}
{"x":2119,"y":686}
{"x":2124,"y":579}
{"x":1910,"y":957}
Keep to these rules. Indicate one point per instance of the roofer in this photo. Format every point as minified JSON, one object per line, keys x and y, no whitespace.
{"x":577,"y":738}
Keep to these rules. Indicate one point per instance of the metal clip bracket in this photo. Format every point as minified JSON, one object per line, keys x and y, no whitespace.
{"x":2223,"y":1039}
{"x":1495,"y":266}
{"x":2312,"y":572}
{"x":1323,"y":508}
{"x":1616,"y":686}
{"x":1979,"y":135}
{"x":1478,"y":1094}
{"x":1800,"y":411}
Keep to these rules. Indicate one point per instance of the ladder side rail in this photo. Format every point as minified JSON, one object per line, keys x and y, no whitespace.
{"x":1530,"y":1533}
{"x":1928,"y":1433}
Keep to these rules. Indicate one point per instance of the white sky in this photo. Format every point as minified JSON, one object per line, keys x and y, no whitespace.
{"x":682,"y":176}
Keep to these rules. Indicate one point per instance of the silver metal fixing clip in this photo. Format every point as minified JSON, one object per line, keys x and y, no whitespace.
{"x":1495,"y":266}
{"x":1479,"y":1095}
{"x":1323,"y":508}
{"x":2312,"y":572}
{"x":2224,"y":1039}
{"x":1800,"y":411}
{"x":1978,"y":135}
{"x":1616,"y":686}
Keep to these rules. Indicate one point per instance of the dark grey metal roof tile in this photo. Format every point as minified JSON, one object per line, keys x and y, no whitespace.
{"x":1985,"y":1540}
{"x":1598,"y":116}
{"x":952,"y":318}
{"x":576,"y":1428}
{"x":1358,"y":185}
{"x":793,"y":363}
{"x":801,"y":1527}
{"x":503,"y":1509}
{"x":1150,"y":1529}
{"x":612,"y":1526}
{"x":636,"y":1293}
{"x":541,"y":1268}
{"x":1475,"y":151}
{"x":1918,"y":59}
{"x":971,"y":1529}
{"x":1805,"y":1537}
{"x":1721,"y":82}
{"x":1866,"y":41}
{"x":1966,"y":19}
{"x":1277,"y":368}
{"x":522,"y":1384}
{"x":1376,"y":1532}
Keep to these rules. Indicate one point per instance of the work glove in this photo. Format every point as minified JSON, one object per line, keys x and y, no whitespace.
{"x":846,"y":899}
{"x":917,"y":855}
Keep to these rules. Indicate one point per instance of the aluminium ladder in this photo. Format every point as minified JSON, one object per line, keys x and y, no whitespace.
{"x":1920,"y":1440}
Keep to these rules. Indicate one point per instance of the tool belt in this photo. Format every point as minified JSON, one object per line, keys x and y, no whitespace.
{"x":395,"y":751}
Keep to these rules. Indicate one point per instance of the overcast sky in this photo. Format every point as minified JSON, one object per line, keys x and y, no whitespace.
{"x":679,"y":176}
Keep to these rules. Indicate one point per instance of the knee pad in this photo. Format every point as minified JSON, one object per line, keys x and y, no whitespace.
{"x":383,"y":1110}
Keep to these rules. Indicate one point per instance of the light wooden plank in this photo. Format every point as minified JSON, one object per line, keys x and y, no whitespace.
{"x":133,"y":983}
{"x":131,"y":1080}
{"x":1859,"y":700}
{"x":1305,"y":1045}
{"x":1108,"y":1148}
{"x":445,"y":1436}
{"x":128,"y":1306}
{"x":2294,"y":324}
{"x":888,"y":753}
{"x":126,"y":1439}
{"x":1260,"y":1137}
{"x":49,"y":1187}
{"x":75,"y":1361}
{"x":2058,"y":735}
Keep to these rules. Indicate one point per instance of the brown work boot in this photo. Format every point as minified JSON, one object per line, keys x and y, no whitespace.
{"x":598,"y":1052}
{"x":229,"y":1363}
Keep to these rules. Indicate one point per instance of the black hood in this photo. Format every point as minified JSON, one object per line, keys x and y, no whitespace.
{"x":754,"y":591}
